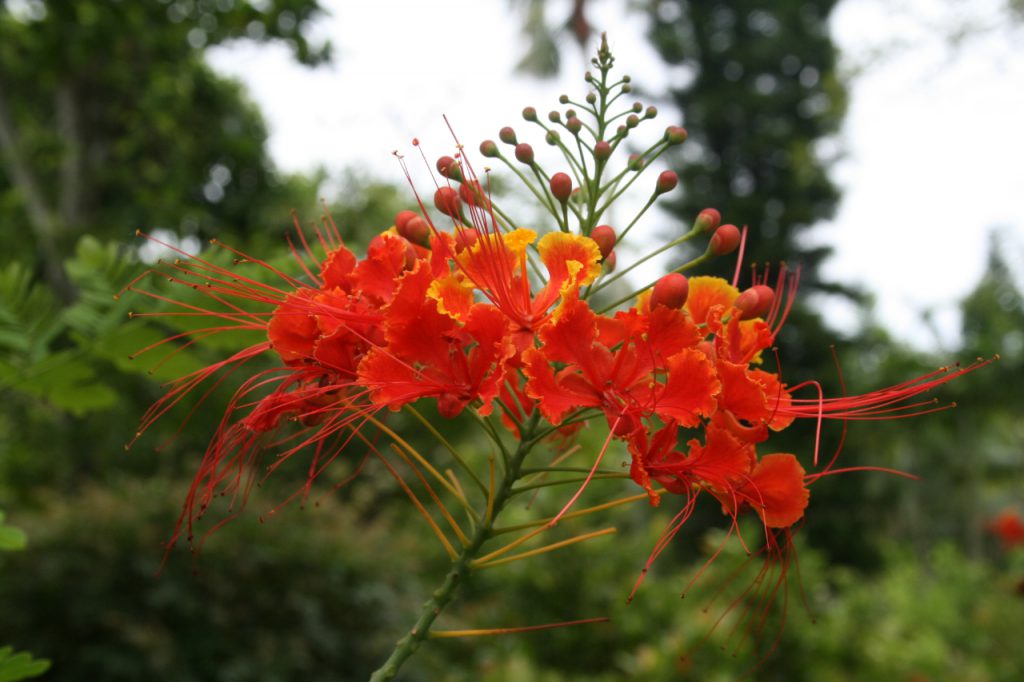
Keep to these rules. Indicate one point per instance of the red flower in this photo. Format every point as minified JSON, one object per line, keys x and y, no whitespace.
{"x":430,"y":354}
{"x":621,"y":382}
{"x":1009,"y":528}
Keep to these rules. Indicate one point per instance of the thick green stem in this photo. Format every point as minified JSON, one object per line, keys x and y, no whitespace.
{"x":461,"y":566}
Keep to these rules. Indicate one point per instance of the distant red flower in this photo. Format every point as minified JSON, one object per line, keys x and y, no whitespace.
{"x":1009,"y":528}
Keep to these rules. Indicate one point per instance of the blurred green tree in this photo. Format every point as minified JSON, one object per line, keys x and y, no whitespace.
{"x":110,"y":119}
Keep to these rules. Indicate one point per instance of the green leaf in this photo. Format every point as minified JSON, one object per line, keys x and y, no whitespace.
{"x":20,"y":666}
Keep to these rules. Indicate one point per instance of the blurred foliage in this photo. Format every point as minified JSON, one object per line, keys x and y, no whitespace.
{"x":16,"y":666}
{"x":118,"y":123}
{"x":298,"y":598}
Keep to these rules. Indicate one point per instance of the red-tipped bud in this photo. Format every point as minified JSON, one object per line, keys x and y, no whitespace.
{"x":602,"y":150}
{"x":667,"y":182}
{"x":632,"y":121}
{"x":637,"y":107}
{"x":416,"y":229}
{"x":465,"y":238}
{"x":446,"y":200}
{"x":449,"y":168}
{"x":707,"y":220}
{"x":651,"y":112}
{"x":574,"y":125}
{"x":635,"y":163}
{"x":676,"y":134}
{"x":473,"y":194}
{"x":561,"y":186}
{"x":755,"y":301}
{"x":489,"y":149}
{"x":530,"y":114}
{"x":403,"y":218}
{"x":507,"y":135}
{"x":609,"y":262}
{"x":524,"y":153}
{"x":554,"y":116}
{"x":604,"y":235}
{"x":671,"y":291}
{"x":726,"y":239}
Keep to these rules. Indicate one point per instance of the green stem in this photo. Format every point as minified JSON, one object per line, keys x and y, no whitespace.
{"x":460,"y":568}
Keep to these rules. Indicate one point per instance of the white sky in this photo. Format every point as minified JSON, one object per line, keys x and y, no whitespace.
{"x":933,"y":141}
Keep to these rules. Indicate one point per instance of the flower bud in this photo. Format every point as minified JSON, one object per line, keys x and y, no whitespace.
{"x":627,"y":88}
{"x":465,"y":238}
{"x":632,"y":121}
{"x":635,"y":163}
{"x":602,"y":150}
{"x":416,"y":230}
{"x":675,"y":134}
{"x":570,"y":113}
{"x":446,"y":200}
{"x":530,"y":114}
{"x":609,"y":262}
{"x":591,"y":98}
{"x":707,"y":220}
{"x":755,"y":301}
{"x":725,"y":240}
{"x":507,"y":135}
{"x":563,"y":99}
{"x":473,"y":194}
{"x":554,"y":116}
{"x":402,"y":219}
{"x":667,"y":182}
{"x":651,"y":112}
{"x":449,"y":168}
{"x":552,"y":137}
{"x":637,"y":107}
{"x":671,"y":291}
{"x":574,"y":125}
{"x":604,"y":235}
{"x":524,"y":153}
{"x":561,"y":187}
{"x":489,"y":149}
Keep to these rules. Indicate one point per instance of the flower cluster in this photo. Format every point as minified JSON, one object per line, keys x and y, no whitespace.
{"x":465,"y":307}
